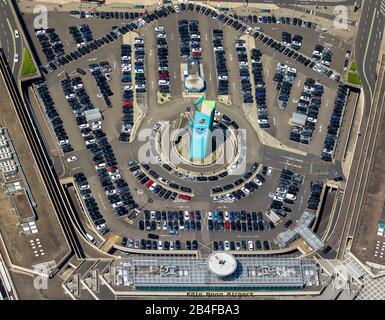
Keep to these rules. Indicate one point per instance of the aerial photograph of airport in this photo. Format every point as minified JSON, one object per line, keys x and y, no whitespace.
{"x":211,"y":150}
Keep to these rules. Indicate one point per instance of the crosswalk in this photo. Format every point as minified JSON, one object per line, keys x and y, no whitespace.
{"x":382,"y":7}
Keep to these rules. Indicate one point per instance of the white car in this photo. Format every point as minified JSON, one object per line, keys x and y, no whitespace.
{"x":171,"y":245}
{"x":163,"y":180}
{"x":100,"y":166}
{"x":159,"y":29}
{"x":86,"y":134}
{"x":251,"y":245}
{"x":116,"y":177}
{"x":186,"y":216}
{"x":117,"y":204}
{"x":227,"y":217}
{"x":257,"y":181}
{"x":209,"y":215}
{"x":88,"y":142}
{"x":291,"y":196}
{"x":163,"y":82}
{"x":96,"y":127}
{"x":16,"y":58}
{"x":230,"y":197}
{"x":84,"y":126}
{"x":269,"y":169}
{"x":160,"y":246}
{"x":245,"y":190}
{"x":16,"y":34}
{"x":110,"y":192}
{"x":84,"y":186}
{"x":101,"y":226}
{"x":227,"y":245}
{"x":153,"y":186}
{"x":62,"y":142}
{"x":72,"y":159}
{"x":177,"y":9}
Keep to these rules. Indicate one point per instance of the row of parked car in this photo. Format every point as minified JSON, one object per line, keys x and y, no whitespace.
{"x":288,"y":185}
{"x":81,"y":34}
{"x":127,"y":94}
{"x":260,"y":88}
{"x":168,"y":245}
{"x":294,"y":42}
{"x":249,"y":186}
{"x":308,"y":105}
{"x":315,"y":196}
{"x":240,"y":47}
{"x":323,"y":55}
{"x":190,"y":39}
{"x":294,"y":54}
{"x":284,"y":77}
{"x":53,"y":116}
{"x":335,"y":123}
{"x":279,"y":20}
{"x":240,"y":245}
{"x":238,"y":221}
{"x":105,"y":14}
{"x":140,"y":75}
{"x":84,"y":49}
{"x":157,"y":183}
{"x":228,"y":20}
{"x":171,"y":221}
{"x":220,"y":61}
{"x":101,"y":73}
{"x":90,"y":203}
{"x":162,"y":47}
{"x":115,"y":188}
{"x":50,"y":42}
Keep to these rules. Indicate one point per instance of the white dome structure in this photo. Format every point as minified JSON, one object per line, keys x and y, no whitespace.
{"x":222,"y":264}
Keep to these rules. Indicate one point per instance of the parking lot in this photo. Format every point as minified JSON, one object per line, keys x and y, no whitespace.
{"x":120,"y":77}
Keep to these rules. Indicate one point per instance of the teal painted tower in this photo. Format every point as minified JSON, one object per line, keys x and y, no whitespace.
{"x":201,"y":126}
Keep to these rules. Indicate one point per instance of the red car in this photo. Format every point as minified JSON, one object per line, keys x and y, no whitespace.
{"x":164,"y":75}
{"x":196,"y":54}
{"x":184,"y":197}
{"x":227,"y":225}
{"x":128,"y":104}
{"x":111,"y":168}
{"x":149,"y":183}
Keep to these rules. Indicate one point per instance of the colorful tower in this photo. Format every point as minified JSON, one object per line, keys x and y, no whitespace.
{"x":201,"y":127}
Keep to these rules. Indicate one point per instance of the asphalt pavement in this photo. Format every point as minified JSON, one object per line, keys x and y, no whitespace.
{"x":8,"y":41}
{"x":368,"y":42}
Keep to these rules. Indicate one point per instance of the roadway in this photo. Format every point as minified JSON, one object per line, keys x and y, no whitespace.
{"x":8,"y":41}
{"x":367,"y":46}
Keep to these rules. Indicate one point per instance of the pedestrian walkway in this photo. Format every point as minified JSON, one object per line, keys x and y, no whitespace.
{"x":372,"y":288}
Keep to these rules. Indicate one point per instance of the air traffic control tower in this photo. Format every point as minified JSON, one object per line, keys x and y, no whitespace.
{"x":201,"y":126}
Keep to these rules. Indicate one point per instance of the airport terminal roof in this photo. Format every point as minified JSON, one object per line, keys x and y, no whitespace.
{"x":251,"y":271}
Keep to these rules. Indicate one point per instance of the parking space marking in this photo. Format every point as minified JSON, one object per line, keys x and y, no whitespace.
{"x":100,"y":197}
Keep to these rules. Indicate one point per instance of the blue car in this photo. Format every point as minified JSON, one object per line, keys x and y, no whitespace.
{"x":232,"y":216}
{"x":216,"y":215}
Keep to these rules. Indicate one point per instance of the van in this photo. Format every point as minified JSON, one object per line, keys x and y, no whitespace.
{"x":290,"y":196}
{"x":90,"y":238}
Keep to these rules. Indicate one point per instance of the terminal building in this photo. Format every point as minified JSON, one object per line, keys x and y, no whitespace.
{"x":219,"y":272}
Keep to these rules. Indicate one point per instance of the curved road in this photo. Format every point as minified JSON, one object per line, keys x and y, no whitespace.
{"x":10,"y":44}
{"x":368,"y":41}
